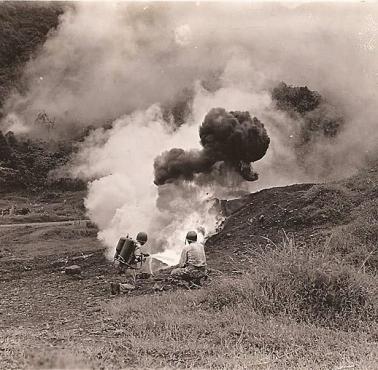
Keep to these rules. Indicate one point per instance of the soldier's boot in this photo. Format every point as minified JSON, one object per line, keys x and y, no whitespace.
{"x":194,"y":285}
{"x":126,"y":287}
{"x":115,"y":288}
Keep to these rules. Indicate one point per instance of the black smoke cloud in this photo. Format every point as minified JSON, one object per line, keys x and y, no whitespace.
{"x":233,"y":138}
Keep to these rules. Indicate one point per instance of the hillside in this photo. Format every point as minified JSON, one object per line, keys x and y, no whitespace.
{"x":311,"y":213}
{"x":295,"y":289}
{"x":24,"y":29}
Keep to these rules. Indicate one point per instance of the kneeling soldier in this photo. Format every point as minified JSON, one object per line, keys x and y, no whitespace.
{"x":130,"y":256}
{"x":192,"y":266}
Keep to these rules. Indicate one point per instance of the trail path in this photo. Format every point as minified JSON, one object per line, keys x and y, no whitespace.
{"x":50,"y":223}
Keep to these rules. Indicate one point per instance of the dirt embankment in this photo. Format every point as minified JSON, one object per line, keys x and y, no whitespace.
{"x":308,"y":212}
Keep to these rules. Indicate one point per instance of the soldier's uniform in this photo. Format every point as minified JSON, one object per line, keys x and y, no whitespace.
{"x":135,"y":252}
{"x":192,"y":265}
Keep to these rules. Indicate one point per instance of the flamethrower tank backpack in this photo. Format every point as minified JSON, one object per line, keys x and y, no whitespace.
{"x":125,"y":251}
{"x":119,"y":246}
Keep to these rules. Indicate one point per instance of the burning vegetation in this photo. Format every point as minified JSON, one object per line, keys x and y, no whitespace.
{"x":233,"y":138}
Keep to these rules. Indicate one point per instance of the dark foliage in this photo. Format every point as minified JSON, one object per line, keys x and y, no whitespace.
{"x":24,"y":28}
{"x":5,"y":151}
{"x":28,"y":163}
{"x":319,"y":118}
{"x":293,"y":98}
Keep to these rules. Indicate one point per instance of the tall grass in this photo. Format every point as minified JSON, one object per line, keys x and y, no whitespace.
{"x":186,"y":330}
{"x":299,"y":306}
{"x":307,"y":283}
{"x":357,"y":242}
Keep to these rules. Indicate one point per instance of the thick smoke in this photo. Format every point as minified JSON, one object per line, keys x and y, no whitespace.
{"x":123,"y":62}
{"x":317,"y":123}
{"x":319,"y":118}
{"x":231,"y":137}
{"x":123,"y":198}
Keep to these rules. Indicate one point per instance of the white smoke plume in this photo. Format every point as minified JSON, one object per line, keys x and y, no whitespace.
{"x":124,"y":199}
{"x":114,"y":60}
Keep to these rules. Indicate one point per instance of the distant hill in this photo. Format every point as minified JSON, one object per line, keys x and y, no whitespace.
{"x":26,"y":164}
{"x":24,"y":29}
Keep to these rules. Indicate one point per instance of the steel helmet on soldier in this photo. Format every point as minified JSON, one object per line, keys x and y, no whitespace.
{"x":191,"y":236}
{"x":141,"y":237}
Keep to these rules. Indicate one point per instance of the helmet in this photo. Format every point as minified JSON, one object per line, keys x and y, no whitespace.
{"x":141,"y":237}
{"x":192,"y":236}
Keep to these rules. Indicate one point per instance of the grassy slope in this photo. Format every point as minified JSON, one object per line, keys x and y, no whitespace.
{"x":306,"y":304}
